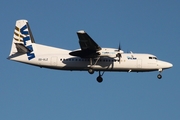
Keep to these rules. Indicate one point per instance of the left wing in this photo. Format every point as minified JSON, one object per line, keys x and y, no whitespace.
{"x":88,"y":46}
{"x":86,"y":42}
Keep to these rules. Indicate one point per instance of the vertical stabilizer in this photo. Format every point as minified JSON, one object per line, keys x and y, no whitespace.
{"x":22,"y":40}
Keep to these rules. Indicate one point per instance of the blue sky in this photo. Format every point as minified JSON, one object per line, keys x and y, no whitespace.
{"x":32,"y":93}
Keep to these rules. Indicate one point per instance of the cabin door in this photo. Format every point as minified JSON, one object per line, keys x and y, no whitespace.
{"x":54,"y":61}
{"x":139,"y":63}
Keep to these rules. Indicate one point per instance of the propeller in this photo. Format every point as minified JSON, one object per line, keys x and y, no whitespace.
{"x":119,"y":54}
{"x":119,"y":47}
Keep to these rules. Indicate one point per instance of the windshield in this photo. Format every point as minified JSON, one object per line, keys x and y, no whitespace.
{"x":153,"y":58}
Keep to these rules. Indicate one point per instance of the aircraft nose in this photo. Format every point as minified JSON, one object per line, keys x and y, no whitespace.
{"x":164,"y":64}
{"x":169,"y":65}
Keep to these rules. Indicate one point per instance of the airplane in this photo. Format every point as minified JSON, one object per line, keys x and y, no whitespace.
{"x":90,"y":57}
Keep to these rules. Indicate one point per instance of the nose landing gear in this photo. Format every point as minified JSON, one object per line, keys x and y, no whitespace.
{"x":159,"y":76}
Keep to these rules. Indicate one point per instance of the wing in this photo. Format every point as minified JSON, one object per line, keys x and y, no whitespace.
{"x":88,"y":46}
{"x":86,"y":42}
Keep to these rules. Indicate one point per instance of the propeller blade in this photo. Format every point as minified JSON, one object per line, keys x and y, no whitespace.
{"x":119,"y":59}
{"x":119,"y":56}
{"x":119,"y":47}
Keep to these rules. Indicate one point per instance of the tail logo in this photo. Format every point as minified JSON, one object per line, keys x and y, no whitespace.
{"x":25,"y":37}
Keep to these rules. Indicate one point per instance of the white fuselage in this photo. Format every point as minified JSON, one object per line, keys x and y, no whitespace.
{"x":55,"y":58}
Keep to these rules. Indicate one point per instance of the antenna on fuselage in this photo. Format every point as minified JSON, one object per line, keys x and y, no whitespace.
{"x":131,"y":54}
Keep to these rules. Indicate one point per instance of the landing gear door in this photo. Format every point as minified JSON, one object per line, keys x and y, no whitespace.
{"x":139,"y":63}
{"x":54,"y":61}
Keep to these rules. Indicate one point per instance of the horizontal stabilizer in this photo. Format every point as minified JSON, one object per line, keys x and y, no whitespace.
{"x":21,"y":48}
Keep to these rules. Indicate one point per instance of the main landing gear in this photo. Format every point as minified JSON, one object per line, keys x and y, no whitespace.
{"x":99,"y":78}
{"x":91,"y":71}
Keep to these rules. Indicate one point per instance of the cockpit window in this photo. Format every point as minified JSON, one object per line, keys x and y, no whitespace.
{"x":153,"y":58}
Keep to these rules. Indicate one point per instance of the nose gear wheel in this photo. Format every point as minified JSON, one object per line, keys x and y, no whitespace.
{"x":159,"y":76}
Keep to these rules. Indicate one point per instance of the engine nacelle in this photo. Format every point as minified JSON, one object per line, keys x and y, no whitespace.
{"x":98,"y":53}
{"x":110,"y":52}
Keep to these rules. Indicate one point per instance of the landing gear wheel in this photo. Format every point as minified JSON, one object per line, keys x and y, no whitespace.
{"x":99,"y":79}
{"x":91,"y":71}
{"x":159,"y":76}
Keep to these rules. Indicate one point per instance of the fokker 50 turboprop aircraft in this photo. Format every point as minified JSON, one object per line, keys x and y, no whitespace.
{"x":91,"y":57}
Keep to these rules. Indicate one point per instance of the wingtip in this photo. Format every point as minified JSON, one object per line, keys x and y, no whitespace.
{"x":22,"y":20}
{"x":81,"y":31}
